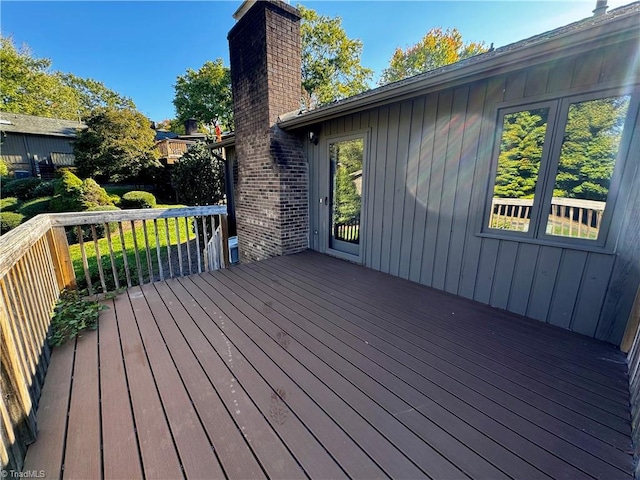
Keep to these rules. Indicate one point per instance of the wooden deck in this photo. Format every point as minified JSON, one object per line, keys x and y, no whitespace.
{"x":308,"y":366}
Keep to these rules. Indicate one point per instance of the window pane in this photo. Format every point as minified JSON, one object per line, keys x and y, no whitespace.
{"x":521,"y":146}
{"x":346,"y":190}
{"x":587,"y":159}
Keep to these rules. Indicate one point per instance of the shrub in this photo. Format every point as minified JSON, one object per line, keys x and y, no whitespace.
{"x":93,"y":195}
{"x":67,"y":191}
{"x":9,"y":221}
{"x":22,"y":187}
{"x":45,"y":189}
{"x":31,"y":208}
{"x":9,"y":204}
{"x":115,"y":199}
{"x":198,"y":177}
{"x":4,"y":170}
{"x":138,"y":199}
{"x":59,"y":172}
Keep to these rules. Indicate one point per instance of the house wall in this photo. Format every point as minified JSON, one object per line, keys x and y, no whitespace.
{"x":17,"y":150}
{"x":426,"y":179}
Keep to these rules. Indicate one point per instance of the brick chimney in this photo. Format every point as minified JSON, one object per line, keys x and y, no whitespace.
{"x":272,"y":191}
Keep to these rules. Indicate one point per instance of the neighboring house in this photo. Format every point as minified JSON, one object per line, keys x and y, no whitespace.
{"x":172,"y":146}
{"x":428,"y":150}
{"x":31,"y":144}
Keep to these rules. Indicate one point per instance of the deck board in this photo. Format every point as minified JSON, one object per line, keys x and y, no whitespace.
{"x":308,"y":366}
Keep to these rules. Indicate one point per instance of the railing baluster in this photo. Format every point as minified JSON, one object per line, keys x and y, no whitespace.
{"x":103,"y":283}
{"x":155,"y":230}
{"x":137,"y":253}
{"x":195,"y":223}
{"x":176,"y":224}
{"x":22,"y":327}
{"x":125,"y":258}
{"x":28,"y":289}
{"x":580,"y":218}
{"x":186,"y":224}
{"x":85,"y":263}
{"x":224,"y":231}
{"x":147,"y":250}
{"x":166,"y":234}
{"x":23,"y":357}
{"x":206,"y":241}
{"x":35,"y":283}
{"x":114,"y":270}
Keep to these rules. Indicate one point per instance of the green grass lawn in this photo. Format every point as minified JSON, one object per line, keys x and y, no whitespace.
{"x":129,"y":236}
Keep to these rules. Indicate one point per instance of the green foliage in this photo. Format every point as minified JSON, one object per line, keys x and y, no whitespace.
{"x":115,"y":199}
{"x":587,"y":158}
{"x":436,"y":49}
{"x":67,"y":192}
{"x":93,"y":195}
{"x":72,"y":315}
{"x":198,"y":177}
{"x":45,"y":189}
{"x":331,"y":68}
{"x":523,"y":136}
{"x":205,"y":94}
{"x":347,"y":201}
{"x":4,"y":169}
{"x":9,"y":221}
{"x":117,"y":144}
{"x":93,"y":94}
{"x":138,"y":199}
{"x":34,"y":207}
{"x":23,"y":188}
{"x":590,"y":147}
{"x":9,"y":204}
{"x":29,"y":86}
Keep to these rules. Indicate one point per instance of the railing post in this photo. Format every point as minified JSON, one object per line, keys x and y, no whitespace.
{"x":59,"y":248}
{"x":224,"y":230}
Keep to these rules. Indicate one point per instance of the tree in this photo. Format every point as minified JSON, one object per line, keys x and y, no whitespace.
{"x":436,"y":49}
{"x":205,"y":94}
{"x":590,"y":147}
{"x":28,"y":87}
{"x":347,"y":201}
{"x":93,"y":94}
{"x":523,"y":136}
{"x":116,"y":145}
{"x":331,"y":68}
{"x":198,"y":177}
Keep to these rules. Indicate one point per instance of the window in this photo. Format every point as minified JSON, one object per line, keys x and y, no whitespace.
{"x":553,"y":168}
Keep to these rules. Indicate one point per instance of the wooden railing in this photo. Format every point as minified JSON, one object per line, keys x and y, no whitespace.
{"x":143,"y":246}
{"x":569,"y":217}
{"x":37,"y":262}
{"x":348,"y":231}
{"x":34,"y":268}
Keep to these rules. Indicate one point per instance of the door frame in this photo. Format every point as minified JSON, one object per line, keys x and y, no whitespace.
{"x":325,"y":192}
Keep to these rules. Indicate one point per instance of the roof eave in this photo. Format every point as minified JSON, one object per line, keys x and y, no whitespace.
{"x":504,"y":62}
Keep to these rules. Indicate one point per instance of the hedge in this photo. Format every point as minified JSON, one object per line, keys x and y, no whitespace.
{"x":9,"y":221}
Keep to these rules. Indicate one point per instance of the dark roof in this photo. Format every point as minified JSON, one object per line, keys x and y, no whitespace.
{"x":16,"y":122}
{"x":163,"y":134}
{"x":594,"y":26}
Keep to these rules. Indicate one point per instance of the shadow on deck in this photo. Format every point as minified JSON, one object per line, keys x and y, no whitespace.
{"x":310,"y":366}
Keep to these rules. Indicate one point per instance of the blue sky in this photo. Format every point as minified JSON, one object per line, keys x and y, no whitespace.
{"x":139,"y":48}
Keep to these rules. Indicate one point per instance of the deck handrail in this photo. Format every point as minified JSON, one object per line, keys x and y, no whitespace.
{"x":572,"y":216}
{"x":36,"y":265}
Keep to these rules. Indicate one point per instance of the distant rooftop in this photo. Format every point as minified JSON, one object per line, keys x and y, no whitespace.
{"x":16,"y":122}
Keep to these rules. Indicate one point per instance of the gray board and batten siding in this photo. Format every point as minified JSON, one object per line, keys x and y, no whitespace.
{"x":425,"y":183}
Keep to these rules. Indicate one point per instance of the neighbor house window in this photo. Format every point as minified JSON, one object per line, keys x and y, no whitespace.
{"x":554,"y":167}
